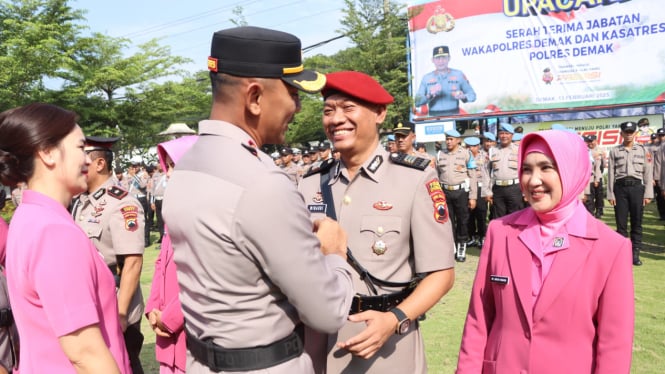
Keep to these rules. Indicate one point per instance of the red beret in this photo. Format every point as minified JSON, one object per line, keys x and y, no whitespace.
{"x":358,"y":85}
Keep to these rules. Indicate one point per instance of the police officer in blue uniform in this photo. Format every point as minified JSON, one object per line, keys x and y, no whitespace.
{"x":443,"y":88}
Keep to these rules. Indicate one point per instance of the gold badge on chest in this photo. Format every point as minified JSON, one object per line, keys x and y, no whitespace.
{"x":379,"y":247}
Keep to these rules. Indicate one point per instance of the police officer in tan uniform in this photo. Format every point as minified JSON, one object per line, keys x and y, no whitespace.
{"x":478,"y":215}
{"x":504,"y":192}
{"x":250,"y":268}
{"x":394,"y":211}
{"x":595,"y":200}
{"x":629,"y":181}
{"x":405,"y":138}
{"x":456,"y":167}
{"x":288,"y":166}
{"x":113,"y":220}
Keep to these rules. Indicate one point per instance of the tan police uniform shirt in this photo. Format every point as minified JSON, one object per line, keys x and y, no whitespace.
{"x":596,"y":156}
{"x":113,"y":220}
{"x":396,"y":206}
{"x":249,"y":267}
{"x":633,"y":162}
{"x":502,"y":165}
{"x":292,"y":172}
{"x":454,"y":172}
{"x":481,"y":172}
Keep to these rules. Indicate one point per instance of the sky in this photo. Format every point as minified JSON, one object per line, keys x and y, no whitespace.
{"x":187,"y":26}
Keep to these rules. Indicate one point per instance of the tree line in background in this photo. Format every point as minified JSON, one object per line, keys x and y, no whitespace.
{"x":44,"y":44}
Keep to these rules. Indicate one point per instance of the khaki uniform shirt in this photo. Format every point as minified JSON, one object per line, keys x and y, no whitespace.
{"x":503,"y":164}
{"x":657,"y":162}
{"x":633,"y":162}
{"x":249,"y":267}
{"x":114,"y":224}
{"x":481,"y":171}
{"x":394,"y":206}
{"x":597,"y":160}
{"x":453,"y":168}
{"x":292,"y":172}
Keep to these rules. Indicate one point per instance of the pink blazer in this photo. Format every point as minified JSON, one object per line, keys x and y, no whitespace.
{"x":582,"y":321}
{"x":164,"y":296}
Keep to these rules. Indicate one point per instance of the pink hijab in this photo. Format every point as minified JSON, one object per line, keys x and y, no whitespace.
{"x":175,"y":149}
{"x":571,"y":157}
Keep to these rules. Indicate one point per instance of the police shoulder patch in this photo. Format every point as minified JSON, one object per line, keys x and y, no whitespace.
{"x":320,"y":167}
{"x":117,"y":192}
{"x":409,"y":161}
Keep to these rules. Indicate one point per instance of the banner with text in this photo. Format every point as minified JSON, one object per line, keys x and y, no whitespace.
{"x":472,"y":57}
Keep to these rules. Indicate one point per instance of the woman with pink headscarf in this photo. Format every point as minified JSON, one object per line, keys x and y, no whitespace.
{"x":163,"y":307}
{"x":554,"y":288}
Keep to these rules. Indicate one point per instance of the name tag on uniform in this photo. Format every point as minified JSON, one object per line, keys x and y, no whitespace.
{"x":499,"y":279}
{"x":317,"y":208}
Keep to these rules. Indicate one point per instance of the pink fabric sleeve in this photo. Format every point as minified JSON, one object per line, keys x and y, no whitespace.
{"x":63,"y":273}
{"x":172,"y":316}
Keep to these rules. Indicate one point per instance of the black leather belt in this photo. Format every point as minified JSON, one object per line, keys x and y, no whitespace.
{"x":382,"y":303}
{"x":6,"y":317}
{"x":628,"y":181}
{"x":245,"y":359}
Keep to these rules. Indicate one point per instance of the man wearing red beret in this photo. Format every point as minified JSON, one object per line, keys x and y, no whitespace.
{"x":395,"y":215}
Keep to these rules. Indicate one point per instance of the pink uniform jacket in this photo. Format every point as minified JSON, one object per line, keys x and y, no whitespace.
{"x":164,"y":296}
{"x":583,"y":318}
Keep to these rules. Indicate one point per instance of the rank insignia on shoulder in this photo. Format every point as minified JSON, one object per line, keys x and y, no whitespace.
{"x":117,"y":192}
{"x":409,"y":161}
{"x":320,"y":167}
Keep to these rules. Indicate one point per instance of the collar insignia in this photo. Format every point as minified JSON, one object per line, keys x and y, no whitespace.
{"x":375,"y":164}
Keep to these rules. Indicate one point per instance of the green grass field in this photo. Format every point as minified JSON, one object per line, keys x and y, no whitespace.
{"x":443,"y":327}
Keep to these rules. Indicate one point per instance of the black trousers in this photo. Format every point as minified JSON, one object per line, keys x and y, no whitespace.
{"x":134,"y":343}
{"x":160,"y":219}
{"x":507,"y":199}
{"x":458,"y":210}
{"x":629,"y":202}
{"x":595,"y":202}
{"x":478,"y":216}
{"x":660,"y":201}
{"x":146,"y":214}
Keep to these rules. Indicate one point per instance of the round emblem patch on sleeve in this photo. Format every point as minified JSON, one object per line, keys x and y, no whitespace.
{"x":130,"y":213}
{"x":439,"y":200}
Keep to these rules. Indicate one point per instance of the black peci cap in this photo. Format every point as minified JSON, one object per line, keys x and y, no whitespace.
{"x":589,"y":138}
{"x":249,"y":51}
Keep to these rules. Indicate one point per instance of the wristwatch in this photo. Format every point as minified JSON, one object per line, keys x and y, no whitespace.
{"x":403,"y":322}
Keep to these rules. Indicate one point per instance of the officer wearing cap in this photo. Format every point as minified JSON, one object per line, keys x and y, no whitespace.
{"x":443,"y":88}
{"x":657,"y":152}
{"x":630,"y":172}
{"x":504,"y":194}
{"x":248,"y":276}
{"x":595,"y":200}
{"x":489,"y":141}
{"x":114,"y":221}
{"x":288,"y":166}
{"x":395,"y":214}
{"x":405,"y":138}
{"x":458,"y":177}
{"x":324,"y":151}
{"x":478,"y":215}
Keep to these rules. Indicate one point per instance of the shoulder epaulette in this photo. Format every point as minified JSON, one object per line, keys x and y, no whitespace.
{"x":320,"y":167}
{"x":116,"y":192}
{"x":409,"y":161}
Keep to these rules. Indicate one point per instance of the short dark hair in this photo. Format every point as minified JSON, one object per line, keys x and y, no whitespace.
{"x":105,"y":154}
{"x":25,"y":131}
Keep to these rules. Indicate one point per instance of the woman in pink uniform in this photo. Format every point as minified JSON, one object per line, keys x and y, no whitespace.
{"x":554,"y":288}
{"x":163,"y":306}
{"x":62,"y":292}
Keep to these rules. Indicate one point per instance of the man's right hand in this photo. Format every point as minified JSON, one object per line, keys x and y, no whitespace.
{"x":332,"y":237}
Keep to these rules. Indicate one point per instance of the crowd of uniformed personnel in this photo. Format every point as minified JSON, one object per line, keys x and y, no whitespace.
{"x":362,"y":240}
